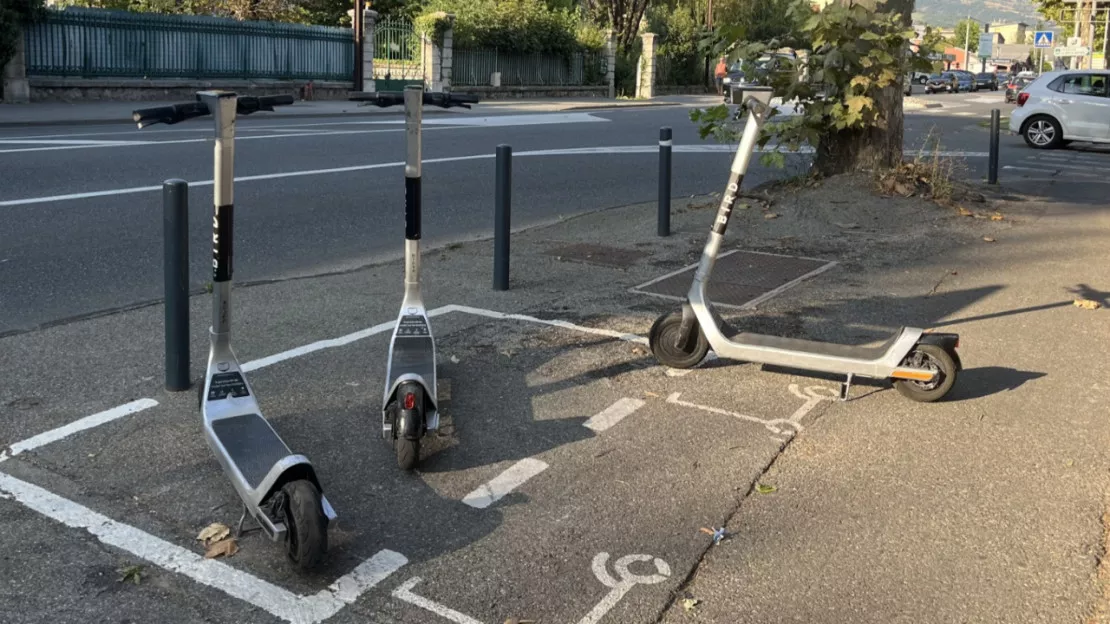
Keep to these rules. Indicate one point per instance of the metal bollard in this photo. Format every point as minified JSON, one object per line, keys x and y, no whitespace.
{"x":501,"y":217}
{"x":992,"y":173}
{"x":175,"y":233}
{"x":663,"y":227}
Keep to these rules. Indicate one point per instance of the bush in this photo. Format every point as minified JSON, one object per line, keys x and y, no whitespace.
{"x":521,"y":26}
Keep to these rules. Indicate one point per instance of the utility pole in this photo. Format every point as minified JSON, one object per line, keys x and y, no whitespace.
{"x":1076,"y":31}
{"x":967,"y":43}
{"x":1105,"y":34}
{"x":356,"y":25}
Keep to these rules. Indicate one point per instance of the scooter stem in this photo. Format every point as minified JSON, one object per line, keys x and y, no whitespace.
{"x":756,"y":116}
{"x":414,"y":110}
{"x":223,"y":107}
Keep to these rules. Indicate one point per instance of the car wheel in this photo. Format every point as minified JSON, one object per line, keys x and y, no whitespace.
{"x":923,"y":80}
{"x":1042,"y":132}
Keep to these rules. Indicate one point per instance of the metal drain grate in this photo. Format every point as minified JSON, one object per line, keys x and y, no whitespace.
{"x":741,"y":279}
{"x":597,"y":254}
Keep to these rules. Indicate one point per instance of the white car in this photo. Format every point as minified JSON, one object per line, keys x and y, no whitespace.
{"x":1064,"y":106}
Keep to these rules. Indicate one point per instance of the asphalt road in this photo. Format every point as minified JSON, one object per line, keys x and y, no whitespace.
{"x":80,"y":209}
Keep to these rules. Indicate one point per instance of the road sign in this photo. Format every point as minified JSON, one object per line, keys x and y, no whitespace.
{"x":985,"y":41}
{"x":1074,"y":42}
{"x":1066,"y":51}
{"x":1042,"y":39}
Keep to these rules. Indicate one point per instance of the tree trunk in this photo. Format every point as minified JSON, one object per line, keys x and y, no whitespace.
{"x":875,"y":147}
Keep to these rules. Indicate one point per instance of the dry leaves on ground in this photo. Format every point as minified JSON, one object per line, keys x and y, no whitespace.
{"x":223,"y":548}
{"x":988,"y":239}
{"x":1087,"y":304}
{"x":213,"y":533}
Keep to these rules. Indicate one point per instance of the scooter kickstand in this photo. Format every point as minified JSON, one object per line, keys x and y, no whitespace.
{"x":239,"y":527}
{"x":844,"y":387}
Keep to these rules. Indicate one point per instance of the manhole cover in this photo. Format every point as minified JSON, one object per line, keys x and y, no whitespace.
{"x":741,"y":279}
{"x":597,"y":254}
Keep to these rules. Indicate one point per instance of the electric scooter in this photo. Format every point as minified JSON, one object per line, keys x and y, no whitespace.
{"x":279,"y":489}
{"x":409,"y":404}
{"x":923,"y":366}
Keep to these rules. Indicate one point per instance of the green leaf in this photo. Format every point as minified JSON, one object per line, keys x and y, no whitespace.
{"x":763,"y":488}
{"x":132,"y":573}
{"x":870,"y":36}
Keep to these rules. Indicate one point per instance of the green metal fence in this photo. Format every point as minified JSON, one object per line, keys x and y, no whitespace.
{"x":475,"y":66}
{"x":684,"y":70}
{"x":93,"y":43}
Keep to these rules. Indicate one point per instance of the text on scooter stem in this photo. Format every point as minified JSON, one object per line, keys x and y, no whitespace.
{"x":221,"y":247}
{"x":725,"y":210}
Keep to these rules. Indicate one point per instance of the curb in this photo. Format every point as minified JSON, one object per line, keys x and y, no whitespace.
{"x":110,"y":122}
{"x":618,"y":106}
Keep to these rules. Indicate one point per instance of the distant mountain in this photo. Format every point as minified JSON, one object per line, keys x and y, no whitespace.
{"x":946,"y":13}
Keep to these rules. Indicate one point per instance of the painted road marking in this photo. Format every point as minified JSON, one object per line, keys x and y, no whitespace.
{"x":613,"y":414}
{"x":281,"y":603}
{"x":404,"y":592}
{"x":513,"y":477}
{"x":788,"y":427}
{"x":632,"y":149}
{"x":628,"y":580}
{"x":552,"y":322}
{"x":88,"y":422}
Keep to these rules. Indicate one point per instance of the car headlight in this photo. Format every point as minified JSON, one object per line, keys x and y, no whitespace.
{"x":727,"y":80}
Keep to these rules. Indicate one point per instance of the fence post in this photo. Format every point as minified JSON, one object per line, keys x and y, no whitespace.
{"x":992,"y":173}
{"x":175,"y":234}
{"x":447,"y":54}
{"x":16,"y":88}
{"x":611,"y":62}
{"x":369,"y":23}
{"x":663,"y":218}
{"x":502,"y":217}
{"x":645,"y":86}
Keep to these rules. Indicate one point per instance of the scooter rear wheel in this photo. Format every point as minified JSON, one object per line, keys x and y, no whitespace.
{"x":664,"y":338}
{"x":934,"y":358}
{"x":306,"y":527}
{"x":408,"y":452}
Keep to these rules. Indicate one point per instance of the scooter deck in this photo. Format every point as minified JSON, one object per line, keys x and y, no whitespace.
{"x":854,"y":352}
{"x":252,"y":445}
{"x":413,"y":349}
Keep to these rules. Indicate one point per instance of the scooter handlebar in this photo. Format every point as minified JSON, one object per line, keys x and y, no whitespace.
{"x":177,"y":113}
{"x":385,"y":99}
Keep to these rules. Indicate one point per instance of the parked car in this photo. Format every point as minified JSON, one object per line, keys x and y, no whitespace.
{"x":986,"y":80}
{"x":942,"y":83}
{"x":1064,"y":106}
{"x":739,"y":75}
{"x":1014,"y":86}
{"x":907,"y":85}
{"x":966,"y":80}
{"x":920,"y":77}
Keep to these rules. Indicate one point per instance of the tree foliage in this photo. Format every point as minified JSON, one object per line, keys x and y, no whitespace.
{"x":840,"y":87}
{"x":523,"y":26}
{"x":967,"y":31}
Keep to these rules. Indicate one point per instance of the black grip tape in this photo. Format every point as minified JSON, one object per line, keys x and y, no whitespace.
{"x":412,"y":208}
{"x":221,"y":243}
{"x":724,"y":212}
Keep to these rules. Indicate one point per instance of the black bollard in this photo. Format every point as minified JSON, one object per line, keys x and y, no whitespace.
{"x":175,"y":232}
{"x":992,"y":173}
{"x":663,"y":227}
{"x":501,"y":217}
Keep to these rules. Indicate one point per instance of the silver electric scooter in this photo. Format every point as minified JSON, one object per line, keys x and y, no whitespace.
{"x":279,"y":490}
{"x":409,"y":404}
{"x":923,"y":366}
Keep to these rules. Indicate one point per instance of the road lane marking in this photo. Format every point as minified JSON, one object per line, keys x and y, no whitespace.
{"x":404,"y":592}
{"x":552,"y":322}
{"x":88,"y":422}
{"x":578,"y":151}
{"x":613,"y":414}
{"x":497,"y":488}
{"x":281,"y":603}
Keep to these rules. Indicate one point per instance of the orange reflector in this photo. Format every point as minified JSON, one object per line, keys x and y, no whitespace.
{"x":905,"y":373}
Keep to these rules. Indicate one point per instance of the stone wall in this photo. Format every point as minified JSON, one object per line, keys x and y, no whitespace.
{"x":45,"y":89}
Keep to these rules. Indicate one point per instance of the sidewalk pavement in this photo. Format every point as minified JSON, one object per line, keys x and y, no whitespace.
{"x":987,"y":507}
{"x":93,"y":113}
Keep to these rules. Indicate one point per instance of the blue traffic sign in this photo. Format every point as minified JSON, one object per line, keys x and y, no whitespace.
{"x":1042,"y":39}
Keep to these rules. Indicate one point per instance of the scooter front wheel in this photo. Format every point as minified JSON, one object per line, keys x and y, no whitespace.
{"x":665,"y":340}
{"x":306,"y":528}
{"x":934,"y":358}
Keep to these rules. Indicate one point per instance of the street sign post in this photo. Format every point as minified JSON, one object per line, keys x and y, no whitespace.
{"x":1042,"y":39}
{"x":985,"y":42}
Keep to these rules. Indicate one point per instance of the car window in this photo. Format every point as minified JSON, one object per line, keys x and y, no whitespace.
{"x":1081,"y":84}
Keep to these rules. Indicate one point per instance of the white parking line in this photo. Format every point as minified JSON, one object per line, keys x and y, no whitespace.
{"x":613,"y":414}
{"x":513,"y":477}
{"x":88,"y":422}
{"x":404,"y":592}
{"x":286,"y":605}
